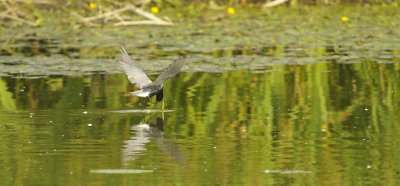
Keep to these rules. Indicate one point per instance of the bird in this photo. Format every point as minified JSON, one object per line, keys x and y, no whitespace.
{"x":147,"y":87}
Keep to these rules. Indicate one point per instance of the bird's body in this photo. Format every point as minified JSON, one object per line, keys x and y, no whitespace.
{"x":149,"y":92}
{"x":140,"y":93}
{"x":139,"y":78}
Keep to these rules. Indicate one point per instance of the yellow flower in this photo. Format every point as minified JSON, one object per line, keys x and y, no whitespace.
{"x":154,"y":10}
{"x":231,"y":10}
{"x":92,"y":5}
{"x":345,"y":19}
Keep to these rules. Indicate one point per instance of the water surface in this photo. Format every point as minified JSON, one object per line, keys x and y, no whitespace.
{"x":313,"y":103}
{"x":292,"y":124}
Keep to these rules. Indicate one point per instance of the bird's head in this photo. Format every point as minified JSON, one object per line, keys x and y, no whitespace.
{"x":159,"y":95}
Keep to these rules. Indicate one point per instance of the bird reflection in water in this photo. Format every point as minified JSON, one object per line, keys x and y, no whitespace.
{"x":145,"y":133}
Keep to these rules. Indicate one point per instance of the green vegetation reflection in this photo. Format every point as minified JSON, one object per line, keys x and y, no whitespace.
{"x":328,"y":120}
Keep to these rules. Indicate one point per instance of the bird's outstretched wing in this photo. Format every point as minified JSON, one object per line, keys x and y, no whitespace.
{"x":135,"y":74}
{"x":170,"y":71}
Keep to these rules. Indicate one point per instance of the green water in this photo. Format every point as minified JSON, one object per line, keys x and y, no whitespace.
{"x":305,"y":99}
{"x":324,"y":123}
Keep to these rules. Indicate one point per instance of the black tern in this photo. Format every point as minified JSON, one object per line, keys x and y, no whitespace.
{"x":139,"y":78}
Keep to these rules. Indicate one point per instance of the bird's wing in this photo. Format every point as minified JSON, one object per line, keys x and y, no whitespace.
{"x":135,"y":74}
{"x":170,"y":71}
